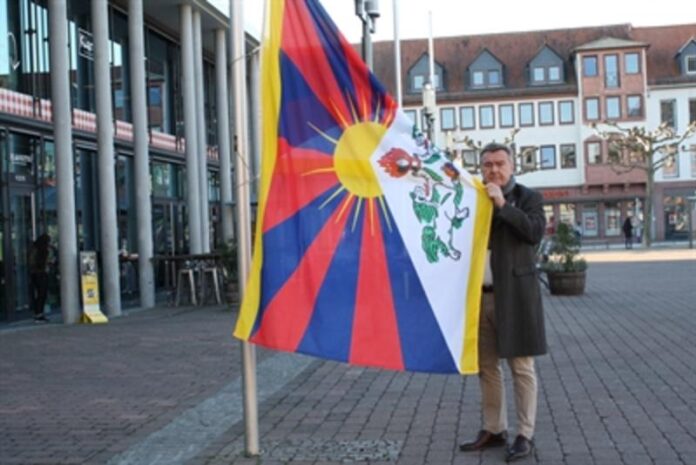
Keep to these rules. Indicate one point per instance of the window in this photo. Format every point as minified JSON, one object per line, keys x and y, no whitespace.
{"x":554,"y":73}
{"x":613,"y":110}
{"x":437,"y":82}
{"x":477,"y":79}
{"x":590,"y":227}
{"x":447,"y":119}
{"x":486,"y":116}
{"x":594,"y":152}
{"x":611,"y":71}
{"x":668,"y":112}
{"x":494,"y":78}
{"x":632,"y":63}
{"x":566,"y":213}
{"x":612,"y":219}
{"x":690,"y":64}
{"x":692,"y":110}
{"x":507,"y":116}
{"x":526,"y":114}
{"x":538,"y":74}
{"x":566,"y":112}
{"x":568,"y":156}
{"x":467,"y":117}
{"x":528,"y":158}
{"x":589,"y":66}
{"x":592,"y":109}
{"x":418,"y":82}
{"x":634,"y":105}
{"x":412,"y":115}
{"x":548,"y":157}
{"x":545,"y":113}
{"x":469,"y":158}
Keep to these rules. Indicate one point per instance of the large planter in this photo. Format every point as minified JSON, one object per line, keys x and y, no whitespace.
{"x":566,"y":282}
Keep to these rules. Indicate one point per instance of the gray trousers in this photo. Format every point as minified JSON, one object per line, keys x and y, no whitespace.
{"x":492,"y":381}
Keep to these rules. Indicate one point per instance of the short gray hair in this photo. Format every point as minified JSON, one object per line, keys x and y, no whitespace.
{"x":494,"y":147}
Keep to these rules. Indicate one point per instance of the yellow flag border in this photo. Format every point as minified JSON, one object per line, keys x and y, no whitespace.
{"x":270,"y":102}
{"x":479,"y":245}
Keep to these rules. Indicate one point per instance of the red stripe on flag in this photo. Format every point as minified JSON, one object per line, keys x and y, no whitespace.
{"x":375,"y":339}
{"x":296,"y":182}
{"x":302,"y":45}
{"x":287,"y":316}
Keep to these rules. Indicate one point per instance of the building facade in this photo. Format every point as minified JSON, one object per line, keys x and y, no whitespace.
{"x":551,"y":85}
{"x":149,"y":119}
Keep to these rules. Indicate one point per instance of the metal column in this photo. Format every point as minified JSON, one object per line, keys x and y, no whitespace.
{"x":202,"y":132}
{"x":190,"y":130}
{"x":106,"y":162}
{"x":251,"y":418}
{"x":223,"y":134}
{"x":65,"y":182}
{"x":143,"y":205}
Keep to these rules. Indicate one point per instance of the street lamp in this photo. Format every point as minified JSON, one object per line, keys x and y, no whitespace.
{"x":429,"y":109}
{"x":368,"y":12}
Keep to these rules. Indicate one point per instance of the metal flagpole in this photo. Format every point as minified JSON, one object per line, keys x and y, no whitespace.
{"x":241,"y":176}
{"x":397,"y":53}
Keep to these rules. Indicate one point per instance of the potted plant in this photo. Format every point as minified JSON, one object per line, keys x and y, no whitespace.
{"x":564,"y":269}
{"x":228,"y":259}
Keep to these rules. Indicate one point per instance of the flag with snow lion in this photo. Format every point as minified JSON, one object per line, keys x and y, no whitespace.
{"x":370,"y":244}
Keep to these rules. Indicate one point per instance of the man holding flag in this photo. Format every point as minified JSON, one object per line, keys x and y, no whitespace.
{"x":511,"y":324}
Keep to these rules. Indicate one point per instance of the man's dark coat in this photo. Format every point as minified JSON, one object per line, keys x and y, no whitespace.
{"x":517,"y":229}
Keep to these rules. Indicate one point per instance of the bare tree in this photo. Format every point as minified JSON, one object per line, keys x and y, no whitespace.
{"x":637,"y":148}
{"x":524,"y":157}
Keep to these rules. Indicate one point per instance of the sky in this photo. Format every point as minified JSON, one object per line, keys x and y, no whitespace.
{"x":461,"y":17}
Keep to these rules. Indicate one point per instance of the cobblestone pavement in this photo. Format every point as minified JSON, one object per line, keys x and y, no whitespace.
{"x":162,"y":386}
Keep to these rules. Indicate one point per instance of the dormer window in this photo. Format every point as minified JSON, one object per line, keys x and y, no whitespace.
{"x":486,"y":71}
{"x":686,"y":57}
{"x":419,"y":74}
{"x":546,"y":68}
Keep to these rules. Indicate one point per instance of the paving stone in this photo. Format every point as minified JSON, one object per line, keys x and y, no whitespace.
{"x":618,"y":387}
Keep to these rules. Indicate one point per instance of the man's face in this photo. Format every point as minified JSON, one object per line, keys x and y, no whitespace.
{"x":496,"y":167}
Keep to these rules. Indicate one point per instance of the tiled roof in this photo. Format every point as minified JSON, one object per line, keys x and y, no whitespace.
{"x":515,"y":50}
{"x":665,"y":42}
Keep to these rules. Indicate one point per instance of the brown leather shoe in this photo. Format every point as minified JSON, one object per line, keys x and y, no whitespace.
{"x":484,"y":440}
{"x":521,"y":448}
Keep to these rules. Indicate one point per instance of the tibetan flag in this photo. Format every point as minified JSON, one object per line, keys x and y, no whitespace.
{"x":370,"y":244}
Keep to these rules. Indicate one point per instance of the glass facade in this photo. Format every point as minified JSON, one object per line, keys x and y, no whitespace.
{"x":28,"y":197}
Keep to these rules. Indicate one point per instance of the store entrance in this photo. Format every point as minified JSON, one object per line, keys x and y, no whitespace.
{"x":19,"y":153}
{"x":22,"y":226}
{"x":168,"y":237}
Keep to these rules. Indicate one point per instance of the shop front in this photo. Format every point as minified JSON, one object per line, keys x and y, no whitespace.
{"x":597,"y":217}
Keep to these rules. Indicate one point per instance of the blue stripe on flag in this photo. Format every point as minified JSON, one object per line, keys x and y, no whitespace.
{"x":299,"y":107}
{"x":286,"y":244}
{"x":422,"y":343}
{"x":329,"y":331}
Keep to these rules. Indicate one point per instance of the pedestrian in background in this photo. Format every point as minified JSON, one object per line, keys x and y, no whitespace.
{"x":628,"y":232}
{"x":38,"y":275}
{"x":511,"y":324}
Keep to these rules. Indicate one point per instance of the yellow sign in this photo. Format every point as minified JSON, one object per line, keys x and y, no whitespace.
{"x":91,"y":313}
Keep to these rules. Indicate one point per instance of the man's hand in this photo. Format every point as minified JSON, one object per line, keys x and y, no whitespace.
{"x":496,"y":194}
